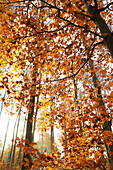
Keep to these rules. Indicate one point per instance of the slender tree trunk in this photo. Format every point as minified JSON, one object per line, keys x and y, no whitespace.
{"x":29,"y":122}
{"x":52,"y":132}
{"x":10,"y":153}
{"x":65,"y":133}
{"x":14,"y":149}
{"x":107,"y":124}
{"x":42,"y":145}
{"x":5,"y":137}
{"x":65,"y":153}
{"x":75,"y":90}
{"x":2,"y":103}
{"x":76,"y":102}
{"x":29,"y":130}
{"x":36,"y":112}
{"x":20,"y":150}
{"x":34,"y":126}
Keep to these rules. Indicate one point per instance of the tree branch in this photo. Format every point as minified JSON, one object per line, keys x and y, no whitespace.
{"x":52,"y":6}
{"x":41,"y":32}
{"x":107,"y":6}
{"x":73,"y":75}
{"x":40,"y":7}
{"x":79,"y":26}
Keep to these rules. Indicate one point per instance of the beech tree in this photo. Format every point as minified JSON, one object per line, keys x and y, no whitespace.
{"x":69,"y":40}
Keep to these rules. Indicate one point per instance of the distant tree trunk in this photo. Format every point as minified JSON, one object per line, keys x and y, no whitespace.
{"x":42,"y":145}
{"x":2,"y":103}
{"x":107,"y":124}
{"x":14,"y":149}
{"x":52,"y":126}
{"x":36,"y":112}
{"x":10,"y":153}
{"x":65,"y":132}
{"x":52,"y":132}
{"x":20,"y":150}
{"x":29,"y":122}
{"x":5,"y":136}
{"x":75,"y":86}
{"x":75,"y":100}
{"x":76,"y":96}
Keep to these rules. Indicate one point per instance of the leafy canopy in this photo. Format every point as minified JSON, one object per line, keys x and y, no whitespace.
{"x":56,"y":48}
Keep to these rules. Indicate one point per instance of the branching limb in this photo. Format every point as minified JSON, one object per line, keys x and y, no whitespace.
{"x":107,"y":6}
{"x":40,"y":7}
{"x":59,"y":10}
{"x":73,"y":75}
{"x":79,"y":26}
{"x":52,"y":6}
{"x":41,"y":32}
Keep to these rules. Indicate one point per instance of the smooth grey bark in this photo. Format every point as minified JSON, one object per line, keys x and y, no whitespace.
{"x":101,"y":24}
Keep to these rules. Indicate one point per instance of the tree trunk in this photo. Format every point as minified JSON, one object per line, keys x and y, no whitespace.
{"x":34,"y":126}
{"x":20,"y":150}
{"x":107,"y":124}
{"x":5,"y":137}
{"x":11,"y":150}
{"x":42,"y":144}
{"x":2,"y":104}
{"x":13,"y":156}
{"x":103,"y":27}
{"x":52,"y":132}
{"x":29,"y":136}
